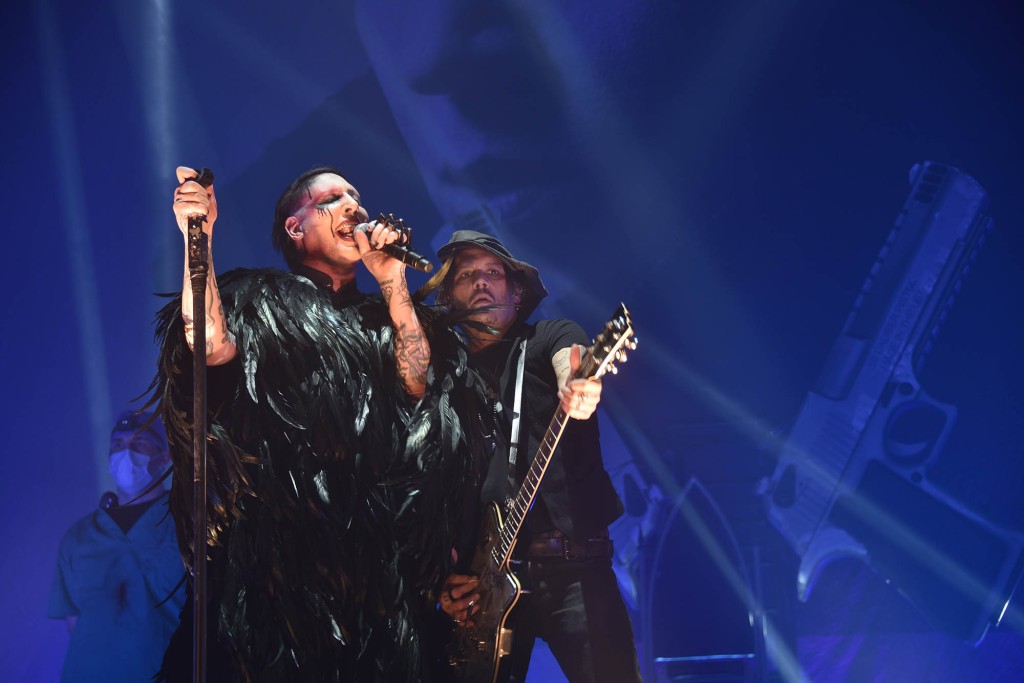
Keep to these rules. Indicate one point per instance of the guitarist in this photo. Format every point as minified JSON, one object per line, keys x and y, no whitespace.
{"x":563,"y":555}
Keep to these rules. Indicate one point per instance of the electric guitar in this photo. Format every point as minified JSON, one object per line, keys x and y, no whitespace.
{"x":480,"y":652}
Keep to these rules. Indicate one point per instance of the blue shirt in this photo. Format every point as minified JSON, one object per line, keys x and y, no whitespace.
{"x":116,"y":584}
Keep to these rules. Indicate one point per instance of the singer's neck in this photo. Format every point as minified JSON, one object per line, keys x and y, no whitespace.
{"x":333,"y":278}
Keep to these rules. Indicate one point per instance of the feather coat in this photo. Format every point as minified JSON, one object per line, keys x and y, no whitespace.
{"x":333,"y":497}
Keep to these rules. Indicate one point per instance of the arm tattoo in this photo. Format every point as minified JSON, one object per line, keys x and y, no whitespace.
{"x":223,"y":325}
{"x":403,"y":290}
{"x":386,"y":290}
{"x":412,"y":356}
{"x":562,"y":366}
{"x":560,"y":360}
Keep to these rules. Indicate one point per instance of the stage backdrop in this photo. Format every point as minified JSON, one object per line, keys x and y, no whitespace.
{"x":729,"y":170}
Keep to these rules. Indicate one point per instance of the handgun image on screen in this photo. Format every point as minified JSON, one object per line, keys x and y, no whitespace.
{"x":851,"y":478}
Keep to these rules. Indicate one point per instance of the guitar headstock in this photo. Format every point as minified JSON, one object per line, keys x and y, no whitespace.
{"x":611,"y":345}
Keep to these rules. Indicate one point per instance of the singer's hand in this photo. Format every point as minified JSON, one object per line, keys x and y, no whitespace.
{"x":382,"y":266}
{"x":192,"y":199}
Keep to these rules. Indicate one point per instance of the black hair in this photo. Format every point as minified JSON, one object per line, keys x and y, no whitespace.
{"x":285,"y":205}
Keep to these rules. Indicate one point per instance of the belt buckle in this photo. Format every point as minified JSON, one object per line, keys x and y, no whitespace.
{"x":567,"y":552}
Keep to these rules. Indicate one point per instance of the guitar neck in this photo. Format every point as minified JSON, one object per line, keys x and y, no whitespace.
{"x":610,"y":344}
{"x":520,"y":505}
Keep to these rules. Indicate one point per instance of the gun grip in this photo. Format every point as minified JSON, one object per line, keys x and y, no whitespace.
{"x":916,"y":430}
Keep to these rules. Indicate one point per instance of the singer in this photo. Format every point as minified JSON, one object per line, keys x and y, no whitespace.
{"x":331,"y":508}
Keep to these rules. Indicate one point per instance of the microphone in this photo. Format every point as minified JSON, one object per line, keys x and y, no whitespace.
{"x":205,"y":177}
{"x":399,"y":251}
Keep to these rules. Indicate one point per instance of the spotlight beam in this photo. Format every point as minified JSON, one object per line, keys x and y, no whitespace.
{"x":88,"y":312}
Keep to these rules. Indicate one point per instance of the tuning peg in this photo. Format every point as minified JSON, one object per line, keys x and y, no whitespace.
{"x":612,"y":369}
{"x":633,"y":342}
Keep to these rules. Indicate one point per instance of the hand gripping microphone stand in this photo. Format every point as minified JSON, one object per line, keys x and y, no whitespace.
{"x":198,"y":269}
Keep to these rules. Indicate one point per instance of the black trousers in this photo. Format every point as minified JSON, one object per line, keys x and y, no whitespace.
{"x":576,"y":608}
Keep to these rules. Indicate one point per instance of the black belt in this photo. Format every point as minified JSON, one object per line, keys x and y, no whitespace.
{"x":556,"y":544}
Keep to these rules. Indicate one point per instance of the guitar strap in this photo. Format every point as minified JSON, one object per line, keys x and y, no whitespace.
{"x":517,"y":406}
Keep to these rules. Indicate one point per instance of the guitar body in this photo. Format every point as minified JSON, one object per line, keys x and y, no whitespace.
{"x":480,"y":653}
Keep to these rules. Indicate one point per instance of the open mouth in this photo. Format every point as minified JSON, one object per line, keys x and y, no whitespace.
{"x":346,"y":230}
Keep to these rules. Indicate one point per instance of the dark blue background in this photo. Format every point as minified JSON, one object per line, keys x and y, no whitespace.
{"x":730,"y":170}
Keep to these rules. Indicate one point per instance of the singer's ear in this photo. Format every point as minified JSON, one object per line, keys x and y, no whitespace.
{"x":293,"y":228}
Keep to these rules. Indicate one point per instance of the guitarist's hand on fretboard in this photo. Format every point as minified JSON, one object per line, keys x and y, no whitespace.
{"x":459,"y":598}
{"x":578,"y":397}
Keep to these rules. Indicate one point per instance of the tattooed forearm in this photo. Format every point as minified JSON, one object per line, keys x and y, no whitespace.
{"x":412,"y":357}
{"x":403,"y":290}
{"x":225,"y":335}
{"x":561,"y":365}
{"x":560,"y":361}
{"x":220,"y":342}
{"x":386,"y":290}
{"x":412,"y":353}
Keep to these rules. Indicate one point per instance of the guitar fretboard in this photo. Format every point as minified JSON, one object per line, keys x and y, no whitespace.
{"x":520,"y":505}
{"x":610,"y":345}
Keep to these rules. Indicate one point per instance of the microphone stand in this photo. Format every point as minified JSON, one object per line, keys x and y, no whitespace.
{"x":198,"y":269}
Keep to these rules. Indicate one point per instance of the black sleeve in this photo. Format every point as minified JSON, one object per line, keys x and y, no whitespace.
{"x":555,"y":335}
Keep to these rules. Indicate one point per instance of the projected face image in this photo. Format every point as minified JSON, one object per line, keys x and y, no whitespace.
{"x":505,"y":106}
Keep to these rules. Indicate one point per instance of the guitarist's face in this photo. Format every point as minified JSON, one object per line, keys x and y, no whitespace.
{"x":480,"y":281}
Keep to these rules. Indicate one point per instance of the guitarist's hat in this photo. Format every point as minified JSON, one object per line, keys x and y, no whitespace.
{"x":522,"y":273}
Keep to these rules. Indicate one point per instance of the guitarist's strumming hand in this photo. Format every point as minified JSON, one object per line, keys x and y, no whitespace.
{"x":578,"y":397}
{"x":459,"y":598}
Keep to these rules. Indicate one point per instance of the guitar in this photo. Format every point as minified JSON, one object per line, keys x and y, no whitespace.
{"x":480,"y":652}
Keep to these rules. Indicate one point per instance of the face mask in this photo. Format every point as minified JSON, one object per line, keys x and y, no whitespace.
{"x":130,"y":477}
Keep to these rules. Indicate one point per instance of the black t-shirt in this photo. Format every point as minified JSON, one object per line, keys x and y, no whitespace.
{"x":576,"y":495}
{"x":127,"y":515}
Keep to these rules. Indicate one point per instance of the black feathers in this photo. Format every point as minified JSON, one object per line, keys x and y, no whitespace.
{"x":333,"y":496}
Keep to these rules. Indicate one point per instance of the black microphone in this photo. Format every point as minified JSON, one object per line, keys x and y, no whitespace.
{"x":205,"y":177}
{"x":398,"y":251}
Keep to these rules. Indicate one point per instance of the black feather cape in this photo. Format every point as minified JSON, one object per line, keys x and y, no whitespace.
{"x":333,"y":497}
